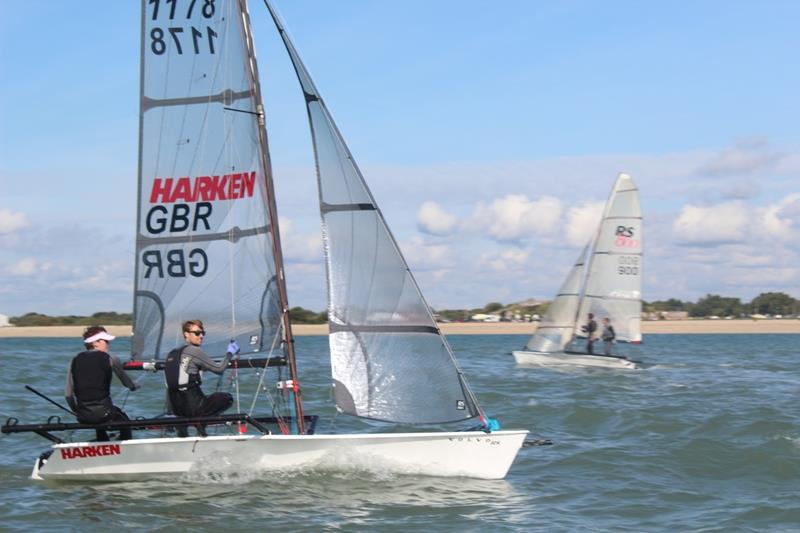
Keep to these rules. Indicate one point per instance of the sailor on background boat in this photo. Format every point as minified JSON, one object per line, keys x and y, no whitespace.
{"x":589,"y":328}
{"x":608,"y":335}
{"x":182,"y":369}
{"x":88,"y":387}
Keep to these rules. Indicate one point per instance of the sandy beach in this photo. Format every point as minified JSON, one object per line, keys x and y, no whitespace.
{"x":477,"y":328}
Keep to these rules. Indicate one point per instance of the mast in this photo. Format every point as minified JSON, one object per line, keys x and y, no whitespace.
{"x":272,"y":211}
{"x":134,"y":351}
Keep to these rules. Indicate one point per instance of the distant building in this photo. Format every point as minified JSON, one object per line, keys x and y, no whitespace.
{"x":482,"y":317}
{"x":667,"y":315}
{"x":4,"y":323}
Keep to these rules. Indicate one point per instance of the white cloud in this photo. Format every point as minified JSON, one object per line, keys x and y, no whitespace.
{"x":23,"y":267}
{"x":299,"y":247}
{"x":724,"y":222}
{"x":582,"y":221}
{"x":421,"y":255}
{"x":507,"y":260}
{"x":434,"y":220}
{"x":747,"y":156}
{"x":11,"y":222}
{"x":778,"y":220}
{"x":515,"y":217}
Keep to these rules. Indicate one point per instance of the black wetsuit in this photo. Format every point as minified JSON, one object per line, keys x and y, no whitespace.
{"x":88,"y":390}
{"x":608,"y":337}
{"x":182,"y":369}
{"x":590,"y":328}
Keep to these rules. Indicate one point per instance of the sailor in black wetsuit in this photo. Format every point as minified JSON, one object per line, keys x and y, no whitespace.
{"x":88,"y":388}
{"x":589,"y":329}
{"x":608,"y":335}
{"x":182,"y":371}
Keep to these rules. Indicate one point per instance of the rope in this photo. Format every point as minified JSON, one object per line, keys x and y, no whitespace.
{"x":281,"y":424}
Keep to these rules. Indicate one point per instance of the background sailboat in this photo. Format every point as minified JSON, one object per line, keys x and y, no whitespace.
{"x":607,"y":284}
{"x":208,"y":247}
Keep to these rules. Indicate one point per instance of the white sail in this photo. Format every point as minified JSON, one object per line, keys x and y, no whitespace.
{"x":557,"y":326}
{"x":388,"y":358}
{"x":614,"y":274}
{"x":204,"y":246}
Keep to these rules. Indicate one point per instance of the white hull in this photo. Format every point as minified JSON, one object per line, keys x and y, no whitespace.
{"x":568,"y":359}
{"x":470,"y":454}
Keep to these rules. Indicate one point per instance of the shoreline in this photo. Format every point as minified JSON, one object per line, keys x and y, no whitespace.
{"x":729,"y":327}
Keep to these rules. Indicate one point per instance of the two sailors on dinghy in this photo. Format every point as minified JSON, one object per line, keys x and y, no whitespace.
{"x":88,"y":387}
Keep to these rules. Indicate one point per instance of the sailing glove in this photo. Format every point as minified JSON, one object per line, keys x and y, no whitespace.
{"x":233,"y":348}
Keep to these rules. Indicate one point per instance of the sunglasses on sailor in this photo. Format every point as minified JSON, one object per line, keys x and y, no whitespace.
{"x":198,"y":332}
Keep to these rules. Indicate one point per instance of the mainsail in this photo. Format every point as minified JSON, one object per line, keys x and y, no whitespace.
{"x":388,"y":358}
{"x":207,"y":244}
{"x":556,"y":329}
{"x":614,"y":274}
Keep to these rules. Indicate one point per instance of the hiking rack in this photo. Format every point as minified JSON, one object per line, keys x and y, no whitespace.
{"x":54,"y":423}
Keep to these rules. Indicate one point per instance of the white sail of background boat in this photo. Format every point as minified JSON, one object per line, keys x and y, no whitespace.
{"x":208,"y":247}
{"x":608,"y":284}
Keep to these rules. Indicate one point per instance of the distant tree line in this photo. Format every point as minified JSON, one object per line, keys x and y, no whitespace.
{"x":298,"y":315}
{"x":107,"y":318}
{"x":766,"y":303}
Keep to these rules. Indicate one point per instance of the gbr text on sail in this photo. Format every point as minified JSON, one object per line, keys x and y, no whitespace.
{"x":185,"y":207}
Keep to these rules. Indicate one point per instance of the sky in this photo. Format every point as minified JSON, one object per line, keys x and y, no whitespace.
{"x":489,"y":133}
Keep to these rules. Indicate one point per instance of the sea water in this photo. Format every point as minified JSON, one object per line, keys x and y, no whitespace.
{"x":706,"y":438}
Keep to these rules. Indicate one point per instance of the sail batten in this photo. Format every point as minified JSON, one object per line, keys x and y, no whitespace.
{"x":385,"y":328}
{"x":331,"y":208}
{"x":232,"y":235}
{"x":227,"y":97}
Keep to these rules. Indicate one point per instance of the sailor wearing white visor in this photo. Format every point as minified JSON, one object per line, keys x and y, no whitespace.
{"x":88,"y":388}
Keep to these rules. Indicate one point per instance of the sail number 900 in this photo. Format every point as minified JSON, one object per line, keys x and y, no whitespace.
{"x":628,"y":265}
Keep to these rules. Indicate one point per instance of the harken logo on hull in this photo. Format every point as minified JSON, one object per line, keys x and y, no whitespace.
{"x":90,"y":451}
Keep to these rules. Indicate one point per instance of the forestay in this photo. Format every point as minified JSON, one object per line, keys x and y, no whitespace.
{"x":204,"y":241}
{"x":614,"y":274}
{"x":557,"y":327}
{"x":389,"y":361}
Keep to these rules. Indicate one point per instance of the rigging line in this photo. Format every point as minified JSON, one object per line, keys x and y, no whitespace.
{"x":242,"y":111}
{"x":126,"y":391}
{"x":333,"y":421}
{"x":261,"y":380}
{"x":235,"y":381}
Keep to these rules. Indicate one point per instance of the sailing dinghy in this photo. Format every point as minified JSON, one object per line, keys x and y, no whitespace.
{"x":208,"y":247}
{"x":607,"y":283}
